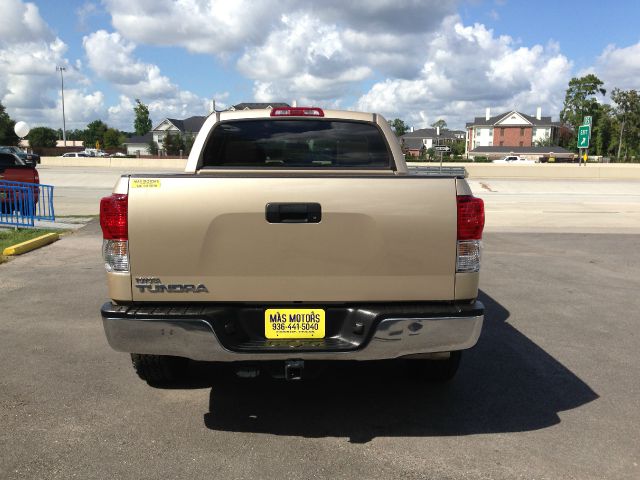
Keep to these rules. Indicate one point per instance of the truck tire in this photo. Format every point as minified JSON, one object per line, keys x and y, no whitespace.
{"x":159,"y":370}
{"x":437,"y":371}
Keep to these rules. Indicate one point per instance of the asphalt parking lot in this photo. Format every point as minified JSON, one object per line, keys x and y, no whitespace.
{"x":551,"y":390}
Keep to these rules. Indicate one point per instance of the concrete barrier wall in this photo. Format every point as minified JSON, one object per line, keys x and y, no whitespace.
{"x":626,"y":171}
{"x":115,"y":162}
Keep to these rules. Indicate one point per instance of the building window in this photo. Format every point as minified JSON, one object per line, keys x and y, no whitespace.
{"x":502,"y":132}
{"x":491,"y":132}
{"x":522,"y":131}
{"x":490,"y":144}
{"x":501,"y":144}
{"x":520,"y":143}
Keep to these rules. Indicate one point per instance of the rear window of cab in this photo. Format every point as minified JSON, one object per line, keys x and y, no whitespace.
{"x":297,"y":143}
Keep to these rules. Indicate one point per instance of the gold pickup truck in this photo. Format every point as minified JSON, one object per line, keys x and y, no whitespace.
{"x":294,"y":235}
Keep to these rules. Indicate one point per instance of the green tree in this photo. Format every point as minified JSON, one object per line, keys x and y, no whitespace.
{"x":42,"y":137}
{"x":75,"y":134}
{"x":580,"y":100}
{"x":168,"y":144}
{"x":457,"y":147}
{"x":188,"y":143}
{"x":628,"y":114}
{"x":153,"y":147}
{"x":604,"y":136}
{"x":431,"y":153}
{"x":544,"y":142}
{"x":95,"y":133}
{"x":172,"y":144}
{"x":440,"y":123}
{"x":112,"y":138}
{"x":7,"y":135}
{"x":142,"y":123}
{"x":399,"y":127}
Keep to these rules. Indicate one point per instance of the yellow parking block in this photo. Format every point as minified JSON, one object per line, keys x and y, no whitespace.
{"x":32,"y":244}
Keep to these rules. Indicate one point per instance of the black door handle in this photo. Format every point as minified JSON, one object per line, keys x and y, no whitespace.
{"x":293,"y":212}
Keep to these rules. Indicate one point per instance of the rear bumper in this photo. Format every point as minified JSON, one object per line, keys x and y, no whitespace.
{"x":230,"y":333}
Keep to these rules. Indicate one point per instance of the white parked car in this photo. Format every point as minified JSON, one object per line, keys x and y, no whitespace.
{"x":515,"y":160}
{"x":93,"y":152}
{"x":74,"y":154}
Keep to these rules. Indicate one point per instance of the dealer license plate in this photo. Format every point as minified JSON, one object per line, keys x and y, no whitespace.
{"x":294,"y":323}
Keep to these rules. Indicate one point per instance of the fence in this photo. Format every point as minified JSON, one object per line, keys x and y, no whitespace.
{"x":21,"y":204}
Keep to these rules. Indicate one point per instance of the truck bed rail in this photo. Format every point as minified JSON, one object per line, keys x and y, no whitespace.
{"x":437,"y":171}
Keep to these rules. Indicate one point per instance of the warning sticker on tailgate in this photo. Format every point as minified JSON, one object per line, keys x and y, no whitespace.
{"x":145,"y":183}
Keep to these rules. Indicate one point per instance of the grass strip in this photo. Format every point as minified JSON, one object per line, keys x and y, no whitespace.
{"x":11,"y":236}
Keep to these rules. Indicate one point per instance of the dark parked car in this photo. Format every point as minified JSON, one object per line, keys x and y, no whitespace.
{"x":13,"y":168}
{"x":30,"y":159}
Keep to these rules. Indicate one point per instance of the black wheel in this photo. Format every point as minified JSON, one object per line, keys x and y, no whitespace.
{"x":159,"y":369}
{"x":438,"y":371}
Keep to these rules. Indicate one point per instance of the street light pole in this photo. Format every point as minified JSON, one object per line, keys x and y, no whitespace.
{"x":64,"y":124}
{"x":438,"y":141}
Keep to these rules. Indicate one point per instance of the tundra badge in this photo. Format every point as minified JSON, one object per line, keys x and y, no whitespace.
{"x":155,"y":285}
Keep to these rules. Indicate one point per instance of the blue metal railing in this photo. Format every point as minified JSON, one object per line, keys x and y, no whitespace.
{"x":21,"y":203}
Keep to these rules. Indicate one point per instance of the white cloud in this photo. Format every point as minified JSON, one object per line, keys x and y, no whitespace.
{"x":619,"y":67}
{"x":215,"y":26}
{"x":21,"y":22}
{"x":112,"y":58}
{"x":303,"y":59}
{"x":291,"y":49}
{"x":85,"y":12}
{"x":468,"y":68}
{"x":82,"y":107}
{"x":29,"y":83}
{"x":29,"y":53}
{"x":220,"y":27}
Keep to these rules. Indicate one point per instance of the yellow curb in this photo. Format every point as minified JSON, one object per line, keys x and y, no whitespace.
{"x":32,"y":244}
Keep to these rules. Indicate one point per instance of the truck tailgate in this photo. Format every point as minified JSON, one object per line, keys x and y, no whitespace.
{"x":379,"y":239}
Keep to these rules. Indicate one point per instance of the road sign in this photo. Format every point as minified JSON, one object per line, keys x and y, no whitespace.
{"x":584,"y":132}
{"x":442,"y":149}
{"x":587,"y":120}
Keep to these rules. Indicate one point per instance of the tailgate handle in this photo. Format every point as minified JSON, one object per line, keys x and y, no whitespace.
{"x":293,"y":212}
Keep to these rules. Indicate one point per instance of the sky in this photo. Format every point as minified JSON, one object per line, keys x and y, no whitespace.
{"x":418,"y":60}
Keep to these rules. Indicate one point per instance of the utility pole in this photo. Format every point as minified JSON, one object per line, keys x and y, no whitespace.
{"x":64,"y":123}
{"x":438,"y":142}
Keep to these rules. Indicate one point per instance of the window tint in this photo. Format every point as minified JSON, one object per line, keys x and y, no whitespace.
{"x":296,"y":143}
{"x":9,"y":160}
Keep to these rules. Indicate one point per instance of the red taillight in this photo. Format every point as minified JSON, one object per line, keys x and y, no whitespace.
{"x":470,"y":217}
{"x":113,"y":217}
{"x":297,"y":112}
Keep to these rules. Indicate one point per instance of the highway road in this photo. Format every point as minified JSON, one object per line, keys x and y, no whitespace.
{"x":517,"y":205}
